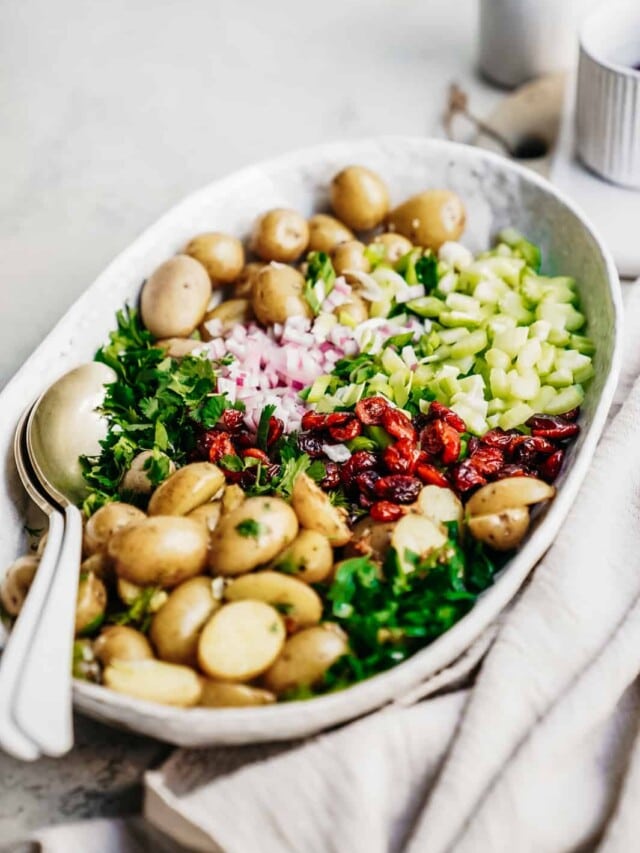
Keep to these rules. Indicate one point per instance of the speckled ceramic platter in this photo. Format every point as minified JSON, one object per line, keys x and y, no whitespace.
{"x":496,"y":194}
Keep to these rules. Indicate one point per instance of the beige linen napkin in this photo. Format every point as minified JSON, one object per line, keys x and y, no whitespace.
{"x":536,"y":757}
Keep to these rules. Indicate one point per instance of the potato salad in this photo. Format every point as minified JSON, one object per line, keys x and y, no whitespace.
{"x":324,"y":440}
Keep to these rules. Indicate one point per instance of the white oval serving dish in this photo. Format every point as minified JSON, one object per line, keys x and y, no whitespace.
{"x":496,"y":194}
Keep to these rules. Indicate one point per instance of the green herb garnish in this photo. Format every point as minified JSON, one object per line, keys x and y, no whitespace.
{"x":251,"y":529}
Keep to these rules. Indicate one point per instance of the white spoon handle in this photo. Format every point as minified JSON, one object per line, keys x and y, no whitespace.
{"x":42,"y":706}
{"x":13,"y":658}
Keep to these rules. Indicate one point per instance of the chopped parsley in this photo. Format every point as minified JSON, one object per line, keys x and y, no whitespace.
{"x":252,"y":529}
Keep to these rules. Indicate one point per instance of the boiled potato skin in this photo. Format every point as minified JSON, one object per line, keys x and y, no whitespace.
{"x":370,"y":539}
{"x":155,"y":681}
{"x":220,"y":254}
{"x":240,"y":641}
{"x":305,"y":658}
{"x":222,"y":694}
{"x":278,"y":295}
{"x":300,"y":605}
{"x":233,"y":496}
{"x":189,"y":487}
{"x":208,"y":514}
{"x":395,"y":246}
{"x":359,"y":197}
{"x":280,"y":235}
{"x":105,"y":522}
{"x":120,"y":642}
{"x":16,"y":583}
{"x":91,"y":602}
{"x":429,"y":219}
{"x":176,"y":627}
{"x":326,"y":232}
{"x":178,"y":347}
{"x":309,"y":558}
{"x":229,"y":313}
{"x":501,"y":530}
{"x":237,"y":548}
{"x":507,"y":493}
{"x":440,"y":504}
{"x":243,"y":286}
{"x":350,"y":257}
{"x":174,"y":298}
{"x":160,"y":551}
{"x":316,"y":512}
{"x":353,"y":312}
{"x":137,"y":479}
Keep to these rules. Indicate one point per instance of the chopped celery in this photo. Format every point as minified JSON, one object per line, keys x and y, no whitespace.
{"x":318,"y":389}
{"x":566,"y":400}
{"x":470,"y":344}
{"x":497,"y":358}
{"x":516,"y":415}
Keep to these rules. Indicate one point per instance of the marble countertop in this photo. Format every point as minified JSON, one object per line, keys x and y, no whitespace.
{"x":112,"y":112}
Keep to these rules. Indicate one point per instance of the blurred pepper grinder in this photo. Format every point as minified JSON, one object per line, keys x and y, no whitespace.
{"x":523,"y":39}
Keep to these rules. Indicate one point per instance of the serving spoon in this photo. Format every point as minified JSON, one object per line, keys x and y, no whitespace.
{"x":62,"y":425}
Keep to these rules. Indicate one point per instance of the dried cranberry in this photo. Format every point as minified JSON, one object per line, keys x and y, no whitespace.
{"x":513,"y":471}
{"x":397,"y":424}
{"x":529,"y":450}
{"x":401,"y":457}
{"x":231,"y":419}
{"x":313,"y":420}
{"x":366,"y":482}
{"x":550,"y":468}
{"x":256,"y":453}
{"x":338,"y":418}
{"x":440,"y":439}
{"x":346,"y":431}
{"x":572,"y":414}
{"x":552,"y":427}
{"x":497,"y":438}
{"x":472,"y":445}
{"x":398,"y":488}
{"x":365,"y":501}
{"x":311,"y":444}
{"x":386,"y":511}
{"x":331,"y":479}
{"x":220,"y":445}
{"x":275,"y":430}
{"x":244,"y":438}
{"x":361,"y":460}
{"x":431,"y":475}
{"x":369,"y":411}
{"x":487,"y":460}
{"x":465,"y":477}
{"x":437,"y":410}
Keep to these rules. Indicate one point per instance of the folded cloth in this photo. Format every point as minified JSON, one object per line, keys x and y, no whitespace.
{"x":540,"y":755}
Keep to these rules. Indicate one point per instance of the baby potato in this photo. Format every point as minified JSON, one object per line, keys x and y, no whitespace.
{"x":176,"y":627}
{"x":128,"y":593}
{"x":316,"y":512}
{"x":233,"y":496}
{"x":280,"y":235}
{"x":99,"y":564}
{"x":223,"y":694}
{"x":299,"y":604}
{"x":178,"y":347}
{"x":418,"y":535}
{"x":208,"y":514}
{"x":16,"y":583}
{"x":502,"y":530}
{"x":251,"y":534}
{"x":350,"y":257}
{"x":353,"y":312}
{"x":395,"y":246}
{"x":229,"y":313}
{"x":327,"y":232}
{"x":508,"y":493}
{"x":306,"y":657}
{"x":174,"y":298}
{"x":309,"y":557}
{"x":190,"y":487}
{"x":278,"y":295}
{"x":241,"y":641}
{"x":359,"y":197}
{"x":439,"y":504}
{"x":105,"y":522}
{"x":91,"y":602}
{"x":120,"y":642}
{"x":220,"y":254}
{"x":370,"y":539}
{"x":137,"y":478}
{"x":430,"y":218}
{"x":160,"y":551}
{"x":154,"y":681}
{"x":243,"y":286}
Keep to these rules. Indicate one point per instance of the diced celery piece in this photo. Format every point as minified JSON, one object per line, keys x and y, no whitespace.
{"x":508,"y":269}
{"x":476,"y":423}
{"x":426,"y":306}
{"x":499,"y":323}
{"x":473,"y":386}
{"x":497,"y":358}
{"x":409,"y":356}
{"x":464,"y":364}
{"x":350,"y":394}
{"x":380,"y":309}
{"x":379,"y":435}
{"x":499,"y":382}
{"x":326,"y":404}
{"x":529,"y":354}
{"x":448,"y":283}
{"x":439,"y":355}
{"x":571,"y":359}
{"x":582,"y":344}
{"x":516,"y":416}
{"x":542,"y":399}
{"x":540,"y":330}
{"x":566,"y":400}
{"x":489,"y":291}
{"x":497,"y":406}
{"x":452,"y":336}
{"x":458,"y":318}
{"x":529,"y":251}
{"x":391,"y":361}
{"x":559,"y":337}
{"x":448,"y":385}
{"x":531,"y":289}
{"x":559,"y":289}
{"x":547,"y":359}
{"x":523,"y":385}
{"x":460,"y":302}
{"x":423,"y":374}
{"x":400,"y":383}
{"x":560,"y":378}
{"x":583,"y":374}
{"x":318,"y":389}
{"x":493,"y":421}
{"x":560,"y":315}
{"x":511,"y":341}
{"x":471,"y":344}
{"x":379,"y":385}
{"x":512,"y":305}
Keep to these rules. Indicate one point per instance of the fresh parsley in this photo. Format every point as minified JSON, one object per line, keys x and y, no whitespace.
{"x":320,"y":279}
{"x":252,"y":529}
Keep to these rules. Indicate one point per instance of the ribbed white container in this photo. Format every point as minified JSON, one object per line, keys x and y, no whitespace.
{"x":608,"y":98}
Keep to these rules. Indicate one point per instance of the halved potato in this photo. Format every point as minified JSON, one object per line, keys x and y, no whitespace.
{"x":104,"y":523}
{"x":120,"y":642}
{"x":154,"y":681}
{"x":233,"y":496}
{"x":176,"y":627}
{"x":186,"y":489}
{"x":209,"y":514}
{"x":416,"y":535}
{"x":298,"y":603}
{"x":17,"y":582}
{"x":306,"y":657}
{"x":507,"y":493}
{"x":502,"y":530}
{"x":439,"y":504}
{"x":309,"y":558}
{"x":370,"y":539}
{"x":241,"y":641}
{"x":316,"y":512}
{"x":222,"y":694}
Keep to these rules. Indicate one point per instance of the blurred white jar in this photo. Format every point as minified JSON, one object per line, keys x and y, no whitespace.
{"x":523,"y":39}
